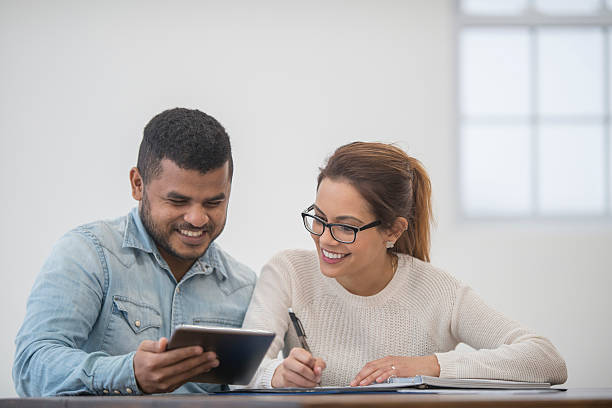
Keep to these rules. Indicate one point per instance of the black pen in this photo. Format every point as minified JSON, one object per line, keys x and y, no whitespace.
{"x":299,"y":330}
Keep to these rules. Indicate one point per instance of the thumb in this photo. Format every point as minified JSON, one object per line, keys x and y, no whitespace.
{"x":162,"y":344}
{"x":153,"y":346}
{"x":319,"y":366}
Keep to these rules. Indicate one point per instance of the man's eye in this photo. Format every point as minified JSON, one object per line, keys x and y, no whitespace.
{"x":214,"y":203}
{"x":177,"y":202}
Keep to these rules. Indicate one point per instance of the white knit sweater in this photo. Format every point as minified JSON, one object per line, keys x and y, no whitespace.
{"x":422,"y":311}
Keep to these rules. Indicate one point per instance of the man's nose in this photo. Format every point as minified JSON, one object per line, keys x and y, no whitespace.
{"x":196,"y":216}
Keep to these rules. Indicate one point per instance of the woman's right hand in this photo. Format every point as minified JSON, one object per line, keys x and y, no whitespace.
{"x":299,"y":369}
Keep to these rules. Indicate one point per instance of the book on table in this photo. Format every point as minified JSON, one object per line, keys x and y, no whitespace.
{"x":423,"y":381}
{"x":403,"y":383}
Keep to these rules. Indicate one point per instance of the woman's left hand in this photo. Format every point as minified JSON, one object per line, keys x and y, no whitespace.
{"x":379,"y":370}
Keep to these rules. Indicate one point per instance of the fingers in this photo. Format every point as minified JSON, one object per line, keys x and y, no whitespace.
{"x":292,"y":377}
{"x":302,"y":356}
{"x":299,"y":369}
{"x":176,"y":375}
{"x":172,"y":357}
{"x":154,"y":374}
{"x":385,"y":376}
{"x":373,"y":377}
{"x":158,"y":370}
{"x":372,"y":370}
{"x":319,"y":366}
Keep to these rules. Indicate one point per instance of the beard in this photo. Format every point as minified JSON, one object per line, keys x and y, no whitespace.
{"x":161,"y":237}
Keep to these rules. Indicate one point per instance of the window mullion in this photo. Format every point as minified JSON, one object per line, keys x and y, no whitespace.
{"x":606,"y":117}
{"x":534,"y":122}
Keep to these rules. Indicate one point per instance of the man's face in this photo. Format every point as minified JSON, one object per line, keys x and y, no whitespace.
{"x":184,"y":210}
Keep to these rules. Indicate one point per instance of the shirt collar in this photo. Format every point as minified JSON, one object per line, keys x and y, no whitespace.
{"x":136,"y":236}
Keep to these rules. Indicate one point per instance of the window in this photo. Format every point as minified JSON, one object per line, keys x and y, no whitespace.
{"x":534,"y":106}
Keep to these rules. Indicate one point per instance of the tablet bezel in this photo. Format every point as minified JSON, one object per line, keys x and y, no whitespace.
{"x":239,"y":351}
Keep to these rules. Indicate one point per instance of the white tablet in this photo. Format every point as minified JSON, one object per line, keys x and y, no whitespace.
{"x":239,"y":351}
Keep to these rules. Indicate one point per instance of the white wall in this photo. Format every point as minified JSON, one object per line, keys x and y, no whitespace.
{"x":290,"y":81}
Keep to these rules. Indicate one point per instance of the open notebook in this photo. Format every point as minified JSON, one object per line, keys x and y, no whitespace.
{"x":399,"y":383}
{"x":423,"y":381}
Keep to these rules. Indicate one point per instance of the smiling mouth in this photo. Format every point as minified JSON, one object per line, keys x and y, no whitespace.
{"x":333,"y":255}
{"x":191,"y":234}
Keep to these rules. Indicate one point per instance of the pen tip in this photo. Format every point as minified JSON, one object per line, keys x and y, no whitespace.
{"x":290,"y":310}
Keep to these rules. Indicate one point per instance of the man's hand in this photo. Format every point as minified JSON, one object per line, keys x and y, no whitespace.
{"x":157,"y":370}
{"x":383,"y":368}
{"x":299,"y":369}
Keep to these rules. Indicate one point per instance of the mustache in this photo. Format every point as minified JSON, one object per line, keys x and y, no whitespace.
{"x":206,"y":228}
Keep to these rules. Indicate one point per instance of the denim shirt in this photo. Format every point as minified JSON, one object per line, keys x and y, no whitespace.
{"x":103,"y":290}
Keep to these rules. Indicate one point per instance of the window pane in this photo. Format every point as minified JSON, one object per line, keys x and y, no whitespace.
{"x":570,"y":71}
{"x":567,"y":6}
{"x":494,"y":72}
{"x":495,"y":170}
{"x":571,"y":172}
{"x":493,"y":7}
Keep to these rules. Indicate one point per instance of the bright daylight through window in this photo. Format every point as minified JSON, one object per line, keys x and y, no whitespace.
{"x":534,"y":105}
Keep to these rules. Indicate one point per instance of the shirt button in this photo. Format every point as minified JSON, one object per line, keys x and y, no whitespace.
{"x":137,"y":323}
{"x":116,"y":392}
{"x":178,"y":290}
{"x":128,"y":390}
{"x":105,"y":391}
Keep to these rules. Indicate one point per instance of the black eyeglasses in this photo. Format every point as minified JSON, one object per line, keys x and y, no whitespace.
{"x":343,"y":233}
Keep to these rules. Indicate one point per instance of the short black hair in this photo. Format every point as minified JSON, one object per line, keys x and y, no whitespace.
{"x":190,"y":138}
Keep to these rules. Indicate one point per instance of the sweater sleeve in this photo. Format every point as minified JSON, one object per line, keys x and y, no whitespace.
{"x":504,"y":349}
{"x":268,"y":311}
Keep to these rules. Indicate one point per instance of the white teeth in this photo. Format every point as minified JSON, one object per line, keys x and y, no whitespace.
{"x":192,"y":233}
{"x":332,"y":255}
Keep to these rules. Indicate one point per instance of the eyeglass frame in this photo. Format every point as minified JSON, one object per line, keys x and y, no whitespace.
{"x":333,"y":224}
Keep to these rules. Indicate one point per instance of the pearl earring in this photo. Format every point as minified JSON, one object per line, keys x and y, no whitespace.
{"x":389,"y":244}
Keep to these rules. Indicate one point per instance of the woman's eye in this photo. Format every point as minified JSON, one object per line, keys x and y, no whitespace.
{"x":345,"y":228}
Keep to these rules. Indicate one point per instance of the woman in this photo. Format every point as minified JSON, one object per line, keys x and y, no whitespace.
{"x":370,"y":302}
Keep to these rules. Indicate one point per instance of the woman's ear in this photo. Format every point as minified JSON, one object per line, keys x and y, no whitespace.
{"x":397,"y":229}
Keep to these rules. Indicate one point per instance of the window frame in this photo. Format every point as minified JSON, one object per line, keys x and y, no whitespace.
{"x":533,"y":20}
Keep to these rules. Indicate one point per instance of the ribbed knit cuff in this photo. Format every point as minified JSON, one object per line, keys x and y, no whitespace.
{"x":268,"y":372}
{"x":448,"y":365}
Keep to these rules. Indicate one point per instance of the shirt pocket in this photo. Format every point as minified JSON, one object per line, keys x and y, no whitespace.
{"x":130,"y":323}
{"x":139,"y":316}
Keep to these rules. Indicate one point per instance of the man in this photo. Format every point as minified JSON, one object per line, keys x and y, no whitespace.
{"x":111,"y":292}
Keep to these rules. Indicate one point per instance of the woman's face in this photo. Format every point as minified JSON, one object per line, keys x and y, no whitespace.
{"x":339,"y":202}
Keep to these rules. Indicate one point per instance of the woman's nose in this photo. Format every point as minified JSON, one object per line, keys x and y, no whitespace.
{"x":327,"y":238}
